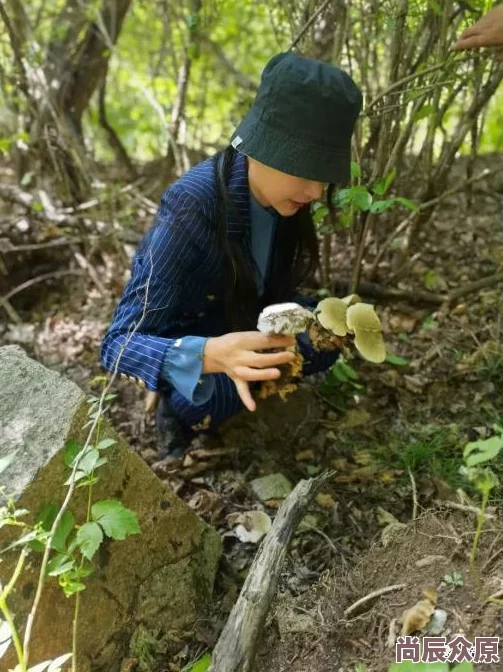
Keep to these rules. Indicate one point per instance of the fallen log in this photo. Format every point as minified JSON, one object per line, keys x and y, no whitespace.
{"x":236,"y":648}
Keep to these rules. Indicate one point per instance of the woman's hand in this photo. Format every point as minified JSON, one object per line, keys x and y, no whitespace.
{"x":236,"y":355}
{"x":487,"y":32}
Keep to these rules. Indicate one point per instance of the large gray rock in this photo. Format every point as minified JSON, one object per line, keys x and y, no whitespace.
{"x":158,"y":580}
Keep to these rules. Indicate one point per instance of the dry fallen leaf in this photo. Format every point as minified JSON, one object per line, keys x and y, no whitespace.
{"x":361,"y":474}
{"x":306,"y":455}
{"x":385,"y":517}
{"x":325,"y":500}
{"x":417,"y":617}
{"x":340,"y":464}
{"x":355,"y":417}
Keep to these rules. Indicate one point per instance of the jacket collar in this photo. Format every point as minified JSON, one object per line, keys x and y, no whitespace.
{"x":238,"y":218}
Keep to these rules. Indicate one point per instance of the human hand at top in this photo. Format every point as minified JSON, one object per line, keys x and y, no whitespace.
{"x":487,"y":32}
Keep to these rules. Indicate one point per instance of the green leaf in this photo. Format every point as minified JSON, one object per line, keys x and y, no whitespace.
{"x":7,"y":460}
{"x":483,"y":450}
{"x":380,"y":206}
{"x":72,"y":449}
{"x":79,"y":475}
{"x":409,"y":666}
{"x":116,"y":521}
{"x":407,"y":203}
{"x":396,"y":359}
{"x":23,"y":540}
{"x":60,"y":565}
{"x":429,"y":322}
{"x":89,"y":538}
{"x":430,"y":279}
{"x":348,"y":371}
{"x":72,"y":587}
{"x":106,"y":443}
{"x":381,"y":187}
{"x":90,"y":461}
{"x":62,"y":531}
{"x":435,"y":7}
{"x":355,"y":170}
{"x":361,"y":198}
{"x":201,"y":665}
{"x":313,"y":469}
{"x":483,"y":478}
{"x":46,"y":517}
{"x":465,"y":666}
{"x":424,"y":112}
{"x":320,"y":214}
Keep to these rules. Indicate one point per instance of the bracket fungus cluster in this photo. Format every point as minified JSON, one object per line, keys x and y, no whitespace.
{"x":333,"y":321}
{"x":331,"y":325}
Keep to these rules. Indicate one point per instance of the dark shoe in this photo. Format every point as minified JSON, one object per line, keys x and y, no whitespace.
{"x":173,"y":438}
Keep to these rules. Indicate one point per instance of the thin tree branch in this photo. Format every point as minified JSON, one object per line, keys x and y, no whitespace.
{"x":308,"y":24}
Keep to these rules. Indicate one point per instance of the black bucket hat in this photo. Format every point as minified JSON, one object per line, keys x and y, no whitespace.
{"x":302,"y":119}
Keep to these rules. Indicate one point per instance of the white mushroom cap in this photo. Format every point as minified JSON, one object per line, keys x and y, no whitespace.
{"x":284,"y":318}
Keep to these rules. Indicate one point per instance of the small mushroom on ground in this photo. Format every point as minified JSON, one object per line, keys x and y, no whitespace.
{"x":364,"y":322}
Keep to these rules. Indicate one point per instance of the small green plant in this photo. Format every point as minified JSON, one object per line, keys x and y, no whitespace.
{"x":341,"y":384}
{"x":410,"y":666}
{"x":68,"y":547}
{"x":202,"y":664}
{"x":360,"y":199}
{"x":431,"y":450}
{"x":454,"y":579}
{"x":484,"y":480}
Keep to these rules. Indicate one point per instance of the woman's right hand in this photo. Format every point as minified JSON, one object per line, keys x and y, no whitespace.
{"x":236,"y":355}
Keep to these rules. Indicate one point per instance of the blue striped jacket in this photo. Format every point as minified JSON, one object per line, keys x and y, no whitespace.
{"x":177,"y":281}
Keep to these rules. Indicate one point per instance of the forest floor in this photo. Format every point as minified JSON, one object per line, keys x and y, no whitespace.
{"x":394,"y":434}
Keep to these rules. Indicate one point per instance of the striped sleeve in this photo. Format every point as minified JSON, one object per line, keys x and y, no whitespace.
{"x":153,"y":298}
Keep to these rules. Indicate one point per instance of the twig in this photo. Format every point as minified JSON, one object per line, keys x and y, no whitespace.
{"x":10,"y":310}
{"x":376,"y":291}
{"x":396,"y":275}
{"x":417,"y":297}
{"x":415,"y":75}
{"x":474,"y":286}
{"x":235,"y":649}
{"x":308,"y":24}
{"x":371,"y":596}
{"x":40,"y":278}
{"x":414,"y":494}
{"x":493,"y":557}
{"x":463,"y":507}
{"x":93,"y":273}
{"x":426,"y":206}
{"x":6,"y":247}
{"x":241,"y":79}
{"x":316,"y":530}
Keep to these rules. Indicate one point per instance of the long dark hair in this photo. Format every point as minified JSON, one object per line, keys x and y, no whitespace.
{"x":294,"y":262}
